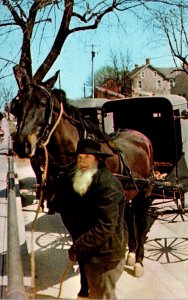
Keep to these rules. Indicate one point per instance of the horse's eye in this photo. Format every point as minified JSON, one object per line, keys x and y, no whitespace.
{"x":42,"y":103}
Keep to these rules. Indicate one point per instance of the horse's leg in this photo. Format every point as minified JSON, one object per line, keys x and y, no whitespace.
{"x":51,"y":203}
{"x":38,"y":173}
{"x":83,"y":293}
{"x":132,"y":239}
{"x":140,"y":209}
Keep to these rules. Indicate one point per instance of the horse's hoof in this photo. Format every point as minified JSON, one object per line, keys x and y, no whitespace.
{"x":35,"y":201}
{"x":131,"y":259}
{"x":138,"y":270}
{"x":83,"y":293}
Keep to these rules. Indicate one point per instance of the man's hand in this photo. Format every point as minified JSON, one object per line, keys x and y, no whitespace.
{"x":72,"y":254}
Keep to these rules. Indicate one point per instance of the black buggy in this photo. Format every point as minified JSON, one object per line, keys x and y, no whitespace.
{"x":163,"y":119}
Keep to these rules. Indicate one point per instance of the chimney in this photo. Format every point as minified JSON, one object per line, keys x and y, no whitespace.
{"x":136,"y":66}
{"x":147,"y":61}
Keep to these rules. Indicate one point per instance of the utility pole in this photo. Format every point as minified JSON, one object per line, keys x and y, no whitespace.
{"x":92,"y":69}
{"x":84,"y":90}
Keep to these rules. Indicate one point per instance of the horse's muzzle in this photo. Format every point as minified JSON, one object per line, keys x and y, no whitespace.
{"x":23,"y":148}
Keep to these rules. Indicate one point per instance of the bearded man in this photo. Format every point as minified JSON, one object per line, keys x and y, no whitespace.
{"x":94,"y":215}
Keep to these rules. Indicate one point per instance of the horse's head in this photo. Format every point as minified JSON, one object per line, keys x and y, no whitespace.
{"x":33,"y":107}
{"x":33,"y":112}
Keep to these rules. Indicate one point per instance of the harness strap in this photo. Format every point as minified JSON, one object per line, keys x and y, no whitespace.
{"x":126,"y":170}
{"x":44,"y":143}
{"x":74,"y":122}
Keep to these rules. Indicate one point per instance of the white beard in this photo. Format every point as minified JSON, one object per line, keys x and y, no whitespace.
{"x":82,"y":180}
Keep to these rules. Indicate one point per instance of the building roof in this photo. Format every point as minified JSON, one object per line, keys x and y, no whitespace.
{"x":168,"y":72}
{"x":137,"y":70}
{"x":105,"y":90}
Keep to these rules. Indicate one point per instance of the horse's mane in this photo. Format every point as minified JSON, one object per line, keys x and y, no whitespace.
{"x":77,"y":114}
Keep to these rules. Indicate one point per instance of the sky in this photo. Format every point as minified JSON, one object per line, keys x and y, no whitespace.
{"x":75,"y":63}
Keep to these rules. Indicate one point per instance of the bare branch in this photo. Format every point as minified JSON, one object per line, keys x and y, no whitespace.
{"x":81,"y":16}
{"x":37,"y":22}
{"x":58,"y":43}
{"x":18,"y":20}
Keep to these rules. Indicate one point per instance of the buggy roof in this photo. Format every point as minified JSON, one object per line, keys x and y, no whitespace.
{"x":89,"y":102}
{"x":170,"y":102}
{"x":176,"y":100}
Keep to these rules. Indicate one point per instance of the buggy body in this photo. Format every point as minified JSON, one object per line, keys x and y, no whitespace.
{"x":163,"y":119}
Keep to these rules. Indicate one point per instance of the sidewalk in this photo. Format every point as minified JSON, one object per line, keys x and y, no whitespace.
{"x":166,"y":249}
{"x":3,"y":205}
{"x":3,"y":218}
{"x":166,"y":255}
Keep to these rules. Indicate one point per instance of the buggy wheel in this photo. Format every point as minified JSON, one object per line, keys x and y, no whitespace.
{"x":167,"y":250}
{"x":54,"y":240}
{"x":180,"y":203}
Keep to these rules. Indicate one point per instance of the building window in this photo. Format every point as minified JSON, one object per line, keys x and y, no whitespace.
{"x":142,"y":74}
{"x":154,"y":73}
{"x":171,"y":83}
{"x":158,"y":84}
{"x":139,"y":84}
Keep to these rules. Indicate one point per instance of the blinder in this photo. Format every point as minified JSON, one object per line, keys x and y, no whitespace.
{"x":48,"y":113}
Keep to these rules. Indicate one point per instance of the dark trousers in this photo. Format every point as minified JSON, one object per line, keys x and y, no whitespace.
{"x":102,"y":278}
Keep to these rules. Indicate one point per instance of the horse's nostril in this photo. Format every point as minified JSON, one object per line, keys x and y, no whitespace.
{"x":21,"y":139}
{"x":27,"y":147}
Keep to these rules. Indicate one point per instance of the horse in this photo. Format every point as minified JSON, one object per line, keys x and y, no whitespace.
{"x":37,"y":160}
{"x":48,"y":121}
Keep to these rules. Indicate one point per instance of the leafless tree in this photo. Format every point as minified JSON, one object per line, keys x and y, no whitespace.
{"x":121,"y":62}
{"x":7,"y":94}
{"x":117,"y":74}
{"x":33,"y":16}
{"x":118,"y":63}
{"x":171,"y":23}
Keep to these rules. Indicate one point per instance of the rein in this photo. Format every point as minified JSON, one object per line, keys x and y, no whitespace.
{"x":44,"y":176}
{"x":44,"y":144}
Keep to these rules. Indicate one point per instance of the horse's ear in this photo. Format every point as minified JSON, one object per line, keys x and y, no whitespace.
{"x":21,"y":77}
{"x":50,"y":82}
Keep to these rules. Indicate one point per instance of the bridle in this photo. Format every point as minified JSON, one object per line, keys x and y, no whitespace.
{"x":46,"y":130}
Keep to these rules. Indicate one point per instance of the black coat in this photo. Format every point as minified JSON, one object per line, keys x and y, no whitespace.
{"x":96,"y":219}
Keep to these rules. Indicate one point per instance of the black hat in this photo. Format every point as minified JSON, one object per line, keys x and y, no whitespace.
{"x":90,"y":146}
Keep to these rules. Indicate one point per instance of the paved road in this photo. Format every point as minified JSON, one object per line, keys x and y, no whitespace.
{"x":166,"y":253}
